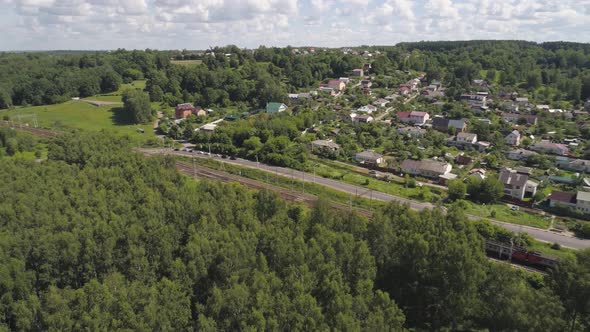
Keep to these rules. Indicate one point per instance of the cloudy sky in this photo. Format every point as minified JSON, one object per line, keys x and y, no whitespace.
{"x":198,"y":24}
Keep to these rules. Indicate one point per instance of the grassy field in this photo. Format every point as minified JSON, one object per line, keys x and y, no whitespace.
{"x":503,"y":213}
{"x":395,"y":186}
{"x":116,"y":95}
{"x":186,"y":62}
{"x":81,"y":115}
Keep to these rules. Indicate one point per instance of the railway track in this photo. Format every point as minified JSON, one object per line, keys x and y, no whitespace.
{"x":307,"y":199}
{"x":35,"y":131}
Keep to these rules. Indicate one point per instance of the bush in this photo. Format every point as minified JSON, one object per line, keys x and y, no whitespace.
{"x":556,"y":246}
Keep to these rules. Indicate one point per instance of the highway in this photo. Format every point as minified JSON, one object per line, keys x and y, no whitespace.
{"x":539,"y":234}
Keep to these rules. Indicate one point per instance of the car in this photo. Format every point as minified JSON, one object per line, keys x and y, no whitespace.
{"x":223,"y":156}
{"x":218,"y":156}
{"x":190,"y":150}
{"x":232,"y":158}
{"x":176,"y":149}
{"x":185,"y":149}
{"x":514,"y":208}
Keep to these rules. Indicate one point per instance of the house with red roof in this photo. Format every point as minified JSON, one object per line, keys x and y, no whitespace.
{"x":337,"y":85}
{"x":413,"y":117}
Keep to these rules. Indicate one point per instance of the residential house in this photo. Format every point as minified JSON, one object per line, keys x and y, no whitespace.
{"x":466,"y":138}
{"x":413,"y":132}
{"x":363,"y":118}
{"x":579,"y":201}
{"x":479,"y":173}
{"x":346,"y":80}
{"x":299,"y":98}
{"x":520,"y":154}
{"x":328,"y":90}
{"x":482,"y":145}
{"x":481,"y":83}
{"x":366,"y":83}
{"x":380,"y":102}
{"x":522,"y":101}
{"x":475,"y":100}
{"x":432,"y":94}
{"x":272,"y":108}
{"x":183,"y":111}
{"x":324,"y":146}
{"x":357,"y":72}
{"x":513,"y":138}
{"x":552,"y":148}
{"x":367,"y":109}
{"x":444,"y":124}
{"x":369,"y":157}
{"x":514,"y":117}
{"x":575,"y":165}
{"x":337,"y":85}
{"x":404,"y":90}
{"x":413,"y":117}
{"x":426,"y":167}
{"x":517,"y":185}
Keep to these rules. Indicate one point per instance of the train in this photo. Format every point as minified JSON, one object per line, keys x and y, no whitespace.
{"x":519,"y":255}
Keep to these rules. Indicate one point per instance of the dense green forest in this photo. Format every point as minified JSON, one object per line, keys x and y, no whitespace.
{"x":550,"y":72}
{"x":98,"y":238}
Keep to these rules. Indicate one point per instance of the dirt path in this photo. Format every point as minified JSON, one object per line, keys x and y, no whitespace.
{"x":99,"y":103}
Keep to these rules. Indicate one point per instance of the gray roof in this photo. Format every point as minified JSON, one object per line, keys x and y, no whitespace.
{"x":326,"y":143}
{"x":368,"y":154}
{"x":510,"y":177}
{"x":583,"y":196}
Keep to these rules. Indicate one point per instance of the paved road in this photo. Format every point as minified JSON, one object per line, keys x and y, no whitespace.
{"x":539,"y":234}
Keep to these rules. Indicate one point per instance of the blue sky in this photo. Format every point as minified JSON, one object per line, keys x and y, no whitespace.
{"x":198,"y":24}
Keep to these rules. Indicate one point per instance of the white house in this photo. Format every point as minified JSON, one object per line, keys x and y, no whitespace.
{"x":369,"y":157}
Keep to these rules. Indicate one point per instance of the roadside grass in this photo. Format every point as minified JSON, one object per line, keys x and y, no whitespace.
{"x":545,"y":248}
{"x":504,"y":213}
{"x":395,"y":186}
{"x":79,"y":114}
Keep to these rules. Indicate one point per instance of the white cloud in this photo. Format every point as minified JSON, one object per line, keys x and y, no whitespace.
{"x":201,"y":23}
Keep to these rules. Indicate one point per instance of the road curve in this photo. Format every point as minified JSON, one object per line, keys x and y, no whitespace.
{"x":537,"y":233}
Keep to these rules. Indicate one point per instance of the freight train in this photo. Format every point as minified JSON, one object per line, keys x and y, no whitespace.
{"x":519,"y":255}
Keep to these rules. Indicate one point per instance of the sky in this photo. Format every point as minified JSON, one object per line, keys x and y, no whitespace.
{"x":198,"y":24}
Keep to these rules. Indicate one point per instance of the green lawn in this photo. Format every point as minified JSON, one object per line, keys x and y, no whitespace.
{"x":504,"y":213}
{"x":116,"y":95}
{"x":81,"y":115}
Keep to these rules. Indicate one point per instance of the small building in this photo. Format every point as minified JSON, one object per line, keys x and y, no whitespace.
{"x":520,"y":154}
{"x":380,"y":102}
{"x":576,"y":165}
{"x":444,"y":124}
{"x":357,"y":72}
{"x":273,"y":107}
{"x":324,"y":146}
{"x":515,"y":117}
{"x":363,"y":118}
{"x":366,"y":83}
{"x":413,"y":117}
{"x":367,"y":109}
{"x":549,"y":147}
{"x":413,"y":132}
{"x":183,"y":111}
{"x":337,"y":85}
{"x":579,"y":201}
{"x":513,"y":138}
{"x":466,"y":138}
{"x":426,"y":167}
{"x":369,"y":157}
{"x":517,"y":185}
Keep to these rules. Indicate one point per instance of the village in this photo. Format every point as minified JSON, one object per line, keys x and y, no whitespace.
{"x":406,"y":124}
